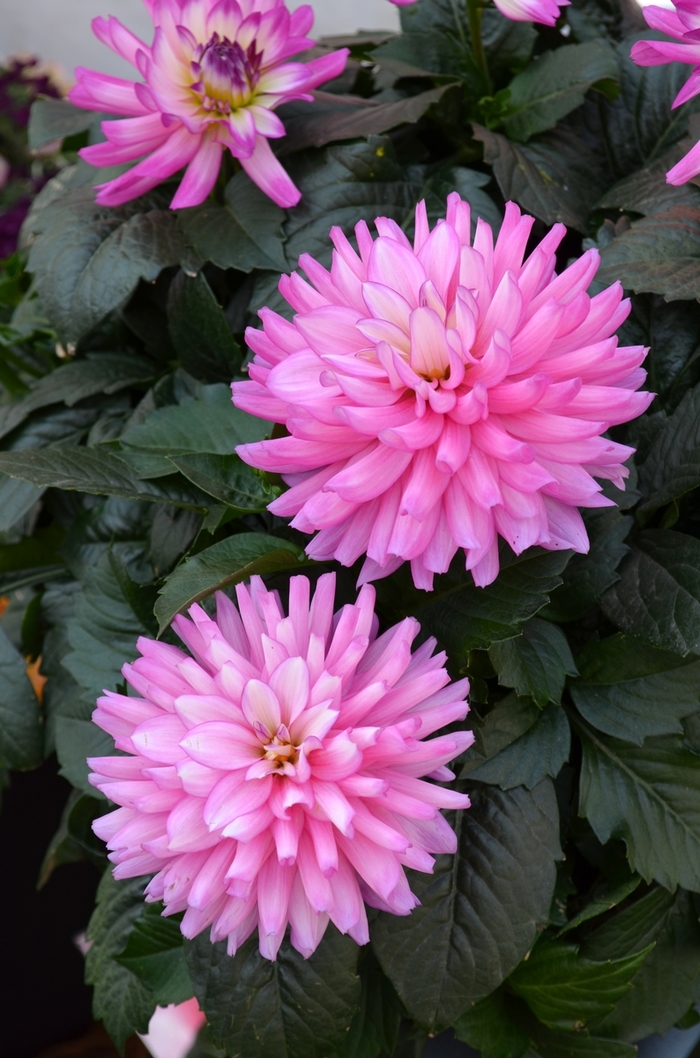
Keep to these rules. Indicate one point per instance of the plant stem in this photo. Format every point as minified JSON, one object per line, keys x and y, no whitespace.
{"x":474,"y":10}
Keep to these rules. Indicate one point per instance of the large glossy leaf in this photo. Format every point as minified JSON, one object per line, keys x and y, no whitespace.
{"x":541,"y":750}
{"x":649,"y":796}
{"x":21,"y":739}
{"x":672,"y":466}
{"x":229,"y":562}
{"x":466,"y":617}
{"x":120,"y":999}
{"x":666,"y":984}
{"x":535,"y":663}
{"x":245,"y":233}
{"x":481,"y":909}
{"x":291,"y":1008}
{"x":155,"y":953}
{"x":566,"y":990}
{"x":657,"y":598}
{"x":229,"y":479}
{"x":660,"y":253}
{"x":490,"y":1027}
{"x":199,"y":330}
{"x":54,"y":119}
{"x":554,"y":85}
{"x":555,"y":177}
{"x":631,"y":691}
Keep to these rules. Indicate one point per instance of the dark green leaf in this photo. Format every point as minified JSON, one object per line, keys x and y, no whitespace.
{"x":566,"y":990}
{"x":482,"y":908}
{"x":74,"y":840}
{"x":602,"y":902}
{"x":555,"y":177}
{"x":292,"y":1008}
{"x":490,"y":1029}
{"x":539,"y":751}
{"x":374,"y":1028}
{"x":586,"y":577}
{"x":172,"y":532}
{"x":21,"y":740}
{"x":666,"y":984}
{"x":244,"y":234}
{"x":199,"y":331}
{"x":672,"y":466}
{"x":660,"y":253}
{"x":77,"y":738}
{"x":632,"y":691}
{"x":97,"y":470}
{"x":657,"y":598}
{"x":554,"y":85}
{"x":155,"y":954}
{"x":650,"y":797}
{"x":55,"y":119}
{"x":549,"y":1044}
{"x":535,"y":663}
{"x":16,"y":499}
{"x":229,"y":562}
{"x":507,"y":721}
{"x":467,"y":618}
{"x":123,"y":1002}
{"x":229,"y":479}
{"x":647,"y":190}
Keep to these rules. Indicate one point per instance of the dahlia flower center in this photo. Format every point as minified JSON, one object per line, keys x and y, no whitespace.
{"x":281,"y":748}
{"x":226,"y":74}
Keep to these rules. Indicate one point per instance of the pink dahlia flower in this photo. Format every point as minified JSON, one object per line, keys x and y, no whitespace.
{"x":212,"y":78}
{"x":440,"y":394}
{"x":275,"y":776}
{"x":544,"y":11}
{"x":683,"y":23}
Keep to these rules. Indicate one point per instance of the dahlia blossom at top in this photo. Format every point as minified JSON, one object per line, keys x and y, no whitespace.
{"x":544,"y":11}
{"x":438,"y":394}
{"x":277,"y":775}
{"x":683,"y":23}
{"x":212,"y":79}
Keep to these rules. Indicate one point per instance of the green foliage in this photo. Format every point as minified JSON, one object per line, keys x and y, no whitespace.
{"x":155,"y":954}
{"x":21,"y":741}
{"x":536,"y":662}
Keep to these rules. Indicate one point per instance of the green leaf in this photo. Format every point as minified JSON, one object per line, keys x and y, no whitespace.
{"x":199,"y":331}
{"x":292,"y":1008}
{"x":566,"y":990}
{"x":88,"y":259}
{"x":481,"y":909}
{"x":74,"y":840}
{"x":77,"y":738}
{"x":650,"y":797}
{"x":123,"y":1002}
{"x":99,"y":373}
{"x":97,"y":470}
{"x":660,"y":253}
{"x":466,"y":618}
{"x":16,"y":499}
{"x":539,"y":751}
{"x":154,"y":952}
{"x":331,"y":117}
{"x":229,"y":562}
{"x":244,"y":234}
{"x":510,"y":718}
{"x":549,"y":1044}
{"x":666,"y":984}
{"x":554,"y":85}
{"x":490,"y":1029}
{"x":556,"y":177}
{"x":21,"y":740}
{"x":632,"y":691}
{"x":229,"y":479}
{"x":606,"y":899}
{"x":374,"y":1028}
{"x":535,"y":663}
{"x":646,"y":191}
{"x":55,"y":119}
{"x":672,"y":466}
{"x":657,"y":598}
{"x":172,"y":532}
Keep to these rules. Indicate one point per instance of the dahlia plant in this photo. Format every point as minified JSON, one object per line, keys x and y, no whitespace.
{"x":457,"y":305}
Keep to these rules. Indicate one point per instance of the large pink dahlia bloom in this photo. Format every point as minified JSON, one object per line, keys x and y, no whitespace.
{"x":212,"y":78}
{"x":441,"y":393}
{"x":683,"y":23}
{"x":544,"y":11}
{"x":274,"y":777}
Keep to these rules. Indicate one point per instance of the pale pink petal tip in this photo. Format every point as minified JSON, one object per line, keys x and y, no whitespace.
{"x":210,"y":81}
{"x":441,"y":394}
{"x":283,"y":774}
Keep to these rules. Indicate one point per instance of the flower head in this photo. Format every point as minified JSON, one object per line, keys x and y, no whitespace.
{"x":212,"y":78}
{"x":276,"y":775}
{"x":683,"y":23}
{"x":441,"y":393}
{"x":544,"y":11}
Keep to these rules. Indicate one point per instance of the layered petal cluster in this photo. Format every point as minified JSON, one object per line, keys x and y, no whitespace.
{"x":544,"y":11}
{"x":440,"y":393}
{"x":277,"y":775}
{"x":683,"y":23}
{"x":211,"y":81}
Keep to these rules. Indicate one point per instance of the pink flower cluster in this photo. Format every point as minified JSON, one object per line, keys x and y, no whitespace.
{"x":440,"y":393}
{"x":544,"y":11}
{"x":278,"y":774}
{"x":683,"y":23}
{"x":212,"y":78}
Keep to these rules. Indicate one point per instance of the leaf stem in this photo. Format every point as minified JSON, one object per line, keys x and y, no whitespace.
{"x":474,"y":11}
